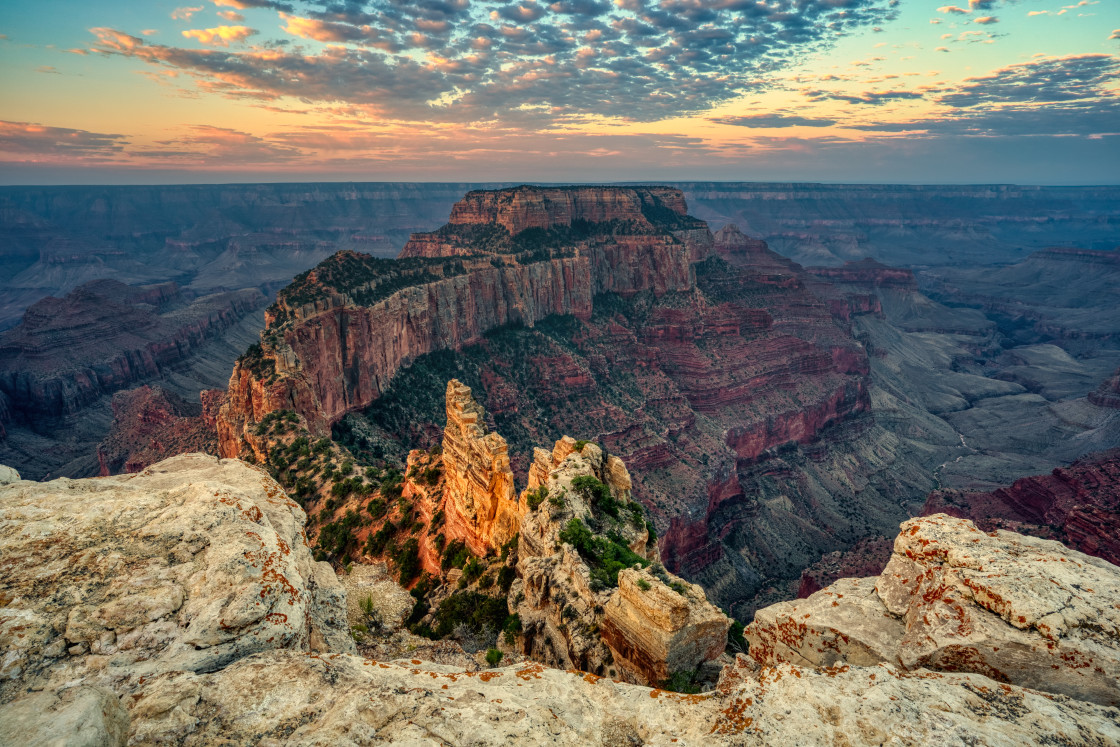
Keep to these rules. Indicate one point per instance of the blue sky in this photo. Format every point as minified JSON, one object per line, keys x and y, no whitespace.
{"x":573,"y":90}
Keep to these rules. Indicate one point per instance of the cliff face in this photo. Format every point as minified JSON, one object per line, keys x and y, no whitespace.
{"x":1078,"y":505}
{"x":148,"y":424}
{"x":693,"y":358}
{"x":631,"y":620}
{"x":1108,"y":393}
{"x":103,"y":337}
{"x":522,"y":208}
{"x":480,"y":504}
{"x":340,"y":333}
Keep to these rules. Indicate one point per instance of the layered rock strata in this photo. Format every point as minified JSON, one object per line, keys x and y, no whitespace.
{"x":1108,"y":393}
{"x":103,"y":337}
{"x":650,"y":625}
{"x":1019,"y":610}
{"x":149,"y":423}
{"x":479,"y":499}
{"x":340,"y":333}
{"x":1078,"y":505}
{"x":186,"y":567}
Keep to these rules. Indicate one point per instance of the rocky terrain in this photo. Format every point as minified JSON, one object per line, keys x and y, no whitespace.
{"x":1019,"y":610}
{"x":207,"y":238}
{"x":182,"y":605}
{"x":647,"y":360}
{"x":912,"y":226}
{"x":1078,"y":505}
{"x":227,"y":237}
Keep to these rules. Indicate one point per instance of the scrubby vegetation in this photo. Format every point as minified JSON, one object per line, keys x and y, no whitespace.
{"x":605,"y":555}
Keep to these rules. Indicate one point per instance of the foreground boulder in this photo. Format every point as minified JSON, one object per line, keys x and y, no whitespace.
{"x":1016,"y":609}
{"x":187,"y":566}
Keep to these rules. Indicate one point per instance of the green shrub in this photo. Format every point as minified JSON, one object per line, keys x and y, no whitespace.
{"x":379,"y":540}
{"x":683,"y":681}
{"x":597,"y":494}
{"x":604,"y":555}
{"x":536,"y":497}
{"x":407,"y":560}
{"x":493,"y":656}
{"x":473,"y":570}
{"x":736,"y":642}
{"x":644,"y":585}
{"x":454,"y":555}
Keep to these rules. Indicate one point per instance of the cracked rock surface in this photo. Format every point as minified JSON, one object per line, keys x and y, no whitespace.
{"x":189,"y":565}
{"x":1017,"y":609}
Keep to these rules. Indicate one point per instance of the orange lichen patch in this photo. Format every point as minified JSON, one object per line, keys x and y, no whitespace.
{"x":831,"y":671}
{"x":733,"y":718}
{"x":591,"y":678}
{"x":443,"y":687}
{"x":530,"y":672}
{"x":656,"y":693}
{"x":276,"y":618}
{"x":487,"y":676}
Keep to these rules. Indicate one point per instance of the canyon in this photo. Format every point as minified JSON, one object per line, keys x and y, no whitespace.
{"x":775,"y":412}
{"x":733,"y":435}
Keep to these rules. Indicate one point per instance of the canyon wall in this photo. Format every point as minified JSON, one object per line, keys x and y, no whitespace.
{"x":333,"y":345}
{"x":103,"y":337}
{"x":1078,"y":505}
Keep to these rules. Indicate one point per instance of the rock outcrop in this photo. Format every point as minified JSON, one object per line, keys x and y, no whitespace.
{"x":339,"y":334}
{"x":1078,"y":505}
{"x":180,"y":606}
{"x":870,"y":273}
{"x":1020,"y":610}
{"x":148,"y":424}
{"x":296,"y":699}
{"x":185,"y":567}
{"x":591,"y":593}
{"x":1108,"y":393}
{"x":480,"y":504}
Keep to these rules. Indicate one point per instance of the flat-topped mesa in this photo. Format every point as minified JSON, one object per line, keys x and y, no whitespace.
{"x":588,"y":219}
{"x":526,"y":207}
{"x":480,"y":504}
{"x":339,"y":333}
{"x":591,"y":593}
{"x":870,"y":273}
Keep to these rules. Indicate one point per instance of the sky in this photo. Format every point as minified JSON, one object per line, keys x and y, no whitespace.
{"x":858,"y":91}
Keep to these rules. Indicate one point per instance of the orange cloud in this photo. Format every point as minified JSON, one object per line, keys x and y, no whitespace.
{"x":231,"y":16}
{"x":220,"y":36}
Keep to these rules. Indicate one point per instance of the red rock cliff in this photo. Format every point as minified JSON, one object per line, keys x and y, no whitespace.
{"x":1078,"y":505}
{"x":543,"y":207}
{"x":339,"y":334}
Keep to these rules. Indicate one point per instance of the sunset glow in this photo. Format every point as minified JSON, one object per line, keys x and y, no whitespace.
{"x":574,"y":90}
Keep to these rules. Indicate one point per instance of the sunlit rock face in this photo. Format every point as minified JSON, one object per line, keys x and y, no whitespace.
{"x":1017,"y":609}
{"x":479,"y":499}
